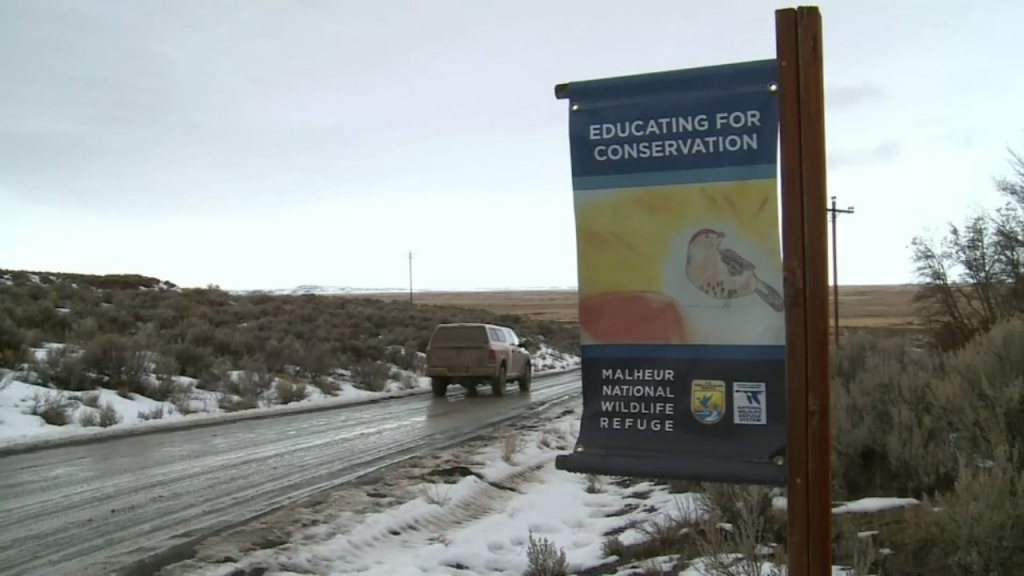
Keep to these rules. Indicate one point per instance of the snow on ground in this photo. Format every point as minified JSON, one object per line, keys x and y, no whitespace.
{"x":547,"y":359}
{"x":470,"y":511}
{"x":22,"y":404}
{"x":862,"y":506}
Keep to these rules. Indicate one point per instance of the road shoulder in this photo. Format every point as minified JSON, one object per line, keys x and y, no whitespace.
{"x":470,"y":510}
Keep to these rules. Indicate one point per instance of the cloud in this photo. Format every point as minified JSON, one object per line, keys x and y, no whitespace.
{"x":883,"y":152}
{"x":850,"y":96}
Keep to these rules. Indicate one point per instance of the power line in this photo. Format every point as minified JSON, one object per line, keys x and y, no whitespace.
{"x":834,"y":213}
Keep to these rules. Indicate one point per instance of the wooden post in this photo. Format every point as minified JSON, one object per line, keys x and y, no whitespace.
{"x":805,"y":261}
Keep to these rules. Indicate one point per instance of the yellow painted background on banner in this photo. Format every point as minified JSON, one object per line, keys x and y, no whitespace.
{"x":632,"y":248}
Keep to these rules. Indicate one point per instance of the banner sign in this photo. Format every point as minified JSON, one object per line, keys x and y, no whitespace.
{"x":680,"y":275}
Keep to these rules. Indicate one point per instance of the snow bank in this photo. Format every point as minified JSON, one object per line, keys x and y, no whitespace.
{"x":480,"y":524}
{"x":105,"y":413}
{"x":22,"y":425}
{"x":548,"y":360}
{"x":483,"y":523}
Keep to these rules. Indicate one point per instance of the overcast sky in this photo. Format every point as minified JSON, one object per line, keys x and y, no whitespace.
{"x":260,"y":144}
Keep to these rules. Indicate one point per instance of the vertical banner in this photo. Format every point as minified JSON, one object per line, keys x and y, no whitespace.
{"x":680,"y":275}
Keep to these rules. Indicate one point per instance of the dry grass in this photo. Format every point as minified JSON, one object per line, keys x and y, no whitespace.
{"x":436,"y":494}
{"x":886,"y":307}
{"x":557,"y":305}
{"x":877,"y":307}
{"x":511,"y":445}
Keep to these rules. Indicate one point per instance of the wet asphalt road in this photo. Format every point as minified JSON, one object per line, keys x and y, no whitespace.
{"x":98,"y":509}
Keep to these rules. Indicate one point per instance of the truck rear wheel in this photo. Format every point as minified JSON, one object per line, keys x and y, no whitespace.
{"x":439,"y":386}
{"x":524,"y":382}
{"x":498,"y":384}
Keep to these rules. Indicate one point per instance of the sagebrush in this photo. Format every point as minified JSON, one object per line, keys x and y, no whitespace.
{"x":127,"y":325}
{"x":945,"y":428}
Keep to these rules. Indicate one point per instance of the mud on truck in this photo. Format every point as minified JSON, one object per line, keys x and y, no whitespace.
{"x":471,"y":355}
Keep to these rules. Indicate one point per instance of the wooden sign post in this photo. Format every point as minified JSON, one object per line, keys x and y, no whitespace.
{"x":805,"y":261}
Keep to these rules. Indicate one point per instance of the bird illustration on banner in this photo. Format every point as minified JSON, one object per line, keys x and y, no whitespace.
{"x":723,"y":273}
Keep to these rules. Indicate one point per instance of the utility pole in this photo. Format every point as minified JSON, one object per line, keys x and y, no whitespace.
{"x":410,"y":276}
{"x":834,"y":213}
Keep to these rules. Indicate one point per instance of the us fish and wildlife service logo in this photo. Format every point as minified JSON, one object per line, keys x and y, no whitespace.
{"x":707,"y":401}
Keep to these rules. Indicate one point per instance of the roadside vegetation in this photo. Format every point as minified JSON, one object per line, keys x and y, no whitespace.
{"x":928,"y":426}
{"x":144,"y":337}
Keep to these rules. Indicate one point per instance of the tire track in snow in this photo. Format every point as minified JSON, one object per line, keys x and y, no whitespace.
{"x":414,"y":529}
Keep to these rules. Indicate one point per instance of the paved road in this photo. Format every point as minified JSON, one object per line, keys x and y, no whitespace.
{"x":98,"y":509}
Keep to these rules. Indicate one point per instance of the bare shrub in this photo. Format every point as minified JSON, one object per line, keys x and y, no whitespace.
{"x":371,"y":375}
{"x":855,"y":547}
{"x":975,"y":528}
{"x":406,"y":358}
{"x":182,"y":401}
{"x":63,"y":369}
{"x":316,"y":361}
{"x":85,"y":330}
{"x":669,"y":532}
{"x":54,"y":408}
{"x":108,"y":416}
{"x":553,"y":438}
{"x":194,"y":360}
{"x":155,"y":413}
{"x":119,"y":362}
{"x":547,"y":441}
{"x":166,"y":387}
{"x":91,"y":399}
{"x":328,"y":386}
{"x":288,"y":392}
{"x":89,"y":418}
{"x":13,"y":342}
{"x":614,"y":546}
{"x":216,"y":377}
{"x":511,"y":445}
{"x":545,"y":559}
{"x":737,"y":537}
{"x":255,"y":382}
{"x":903,"y":418}
{"x":229,"y":403}
{"x":14,"y":357}
{"x":408,"y":381}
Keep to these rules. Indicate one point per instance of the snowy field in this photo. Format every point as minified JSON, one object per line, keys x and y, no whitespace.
{"x":26,"y":407}
{"x":497,"y":506}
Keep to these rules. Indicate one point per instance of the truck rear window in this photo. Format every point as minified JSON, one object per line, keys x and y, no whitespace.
{"x":459,"y":336}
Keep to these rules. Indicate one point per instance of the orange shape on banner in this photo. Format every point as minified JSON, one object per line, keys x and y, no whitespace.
{"x":632,"y":318}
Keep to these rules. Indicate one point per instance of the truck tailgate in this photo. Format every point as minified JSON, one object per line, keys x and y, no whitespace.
{"x":457,"y":358}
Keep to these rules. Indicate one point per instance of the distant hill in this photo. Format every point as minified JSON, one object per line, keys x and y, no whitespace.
{"x":140,"y":282}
